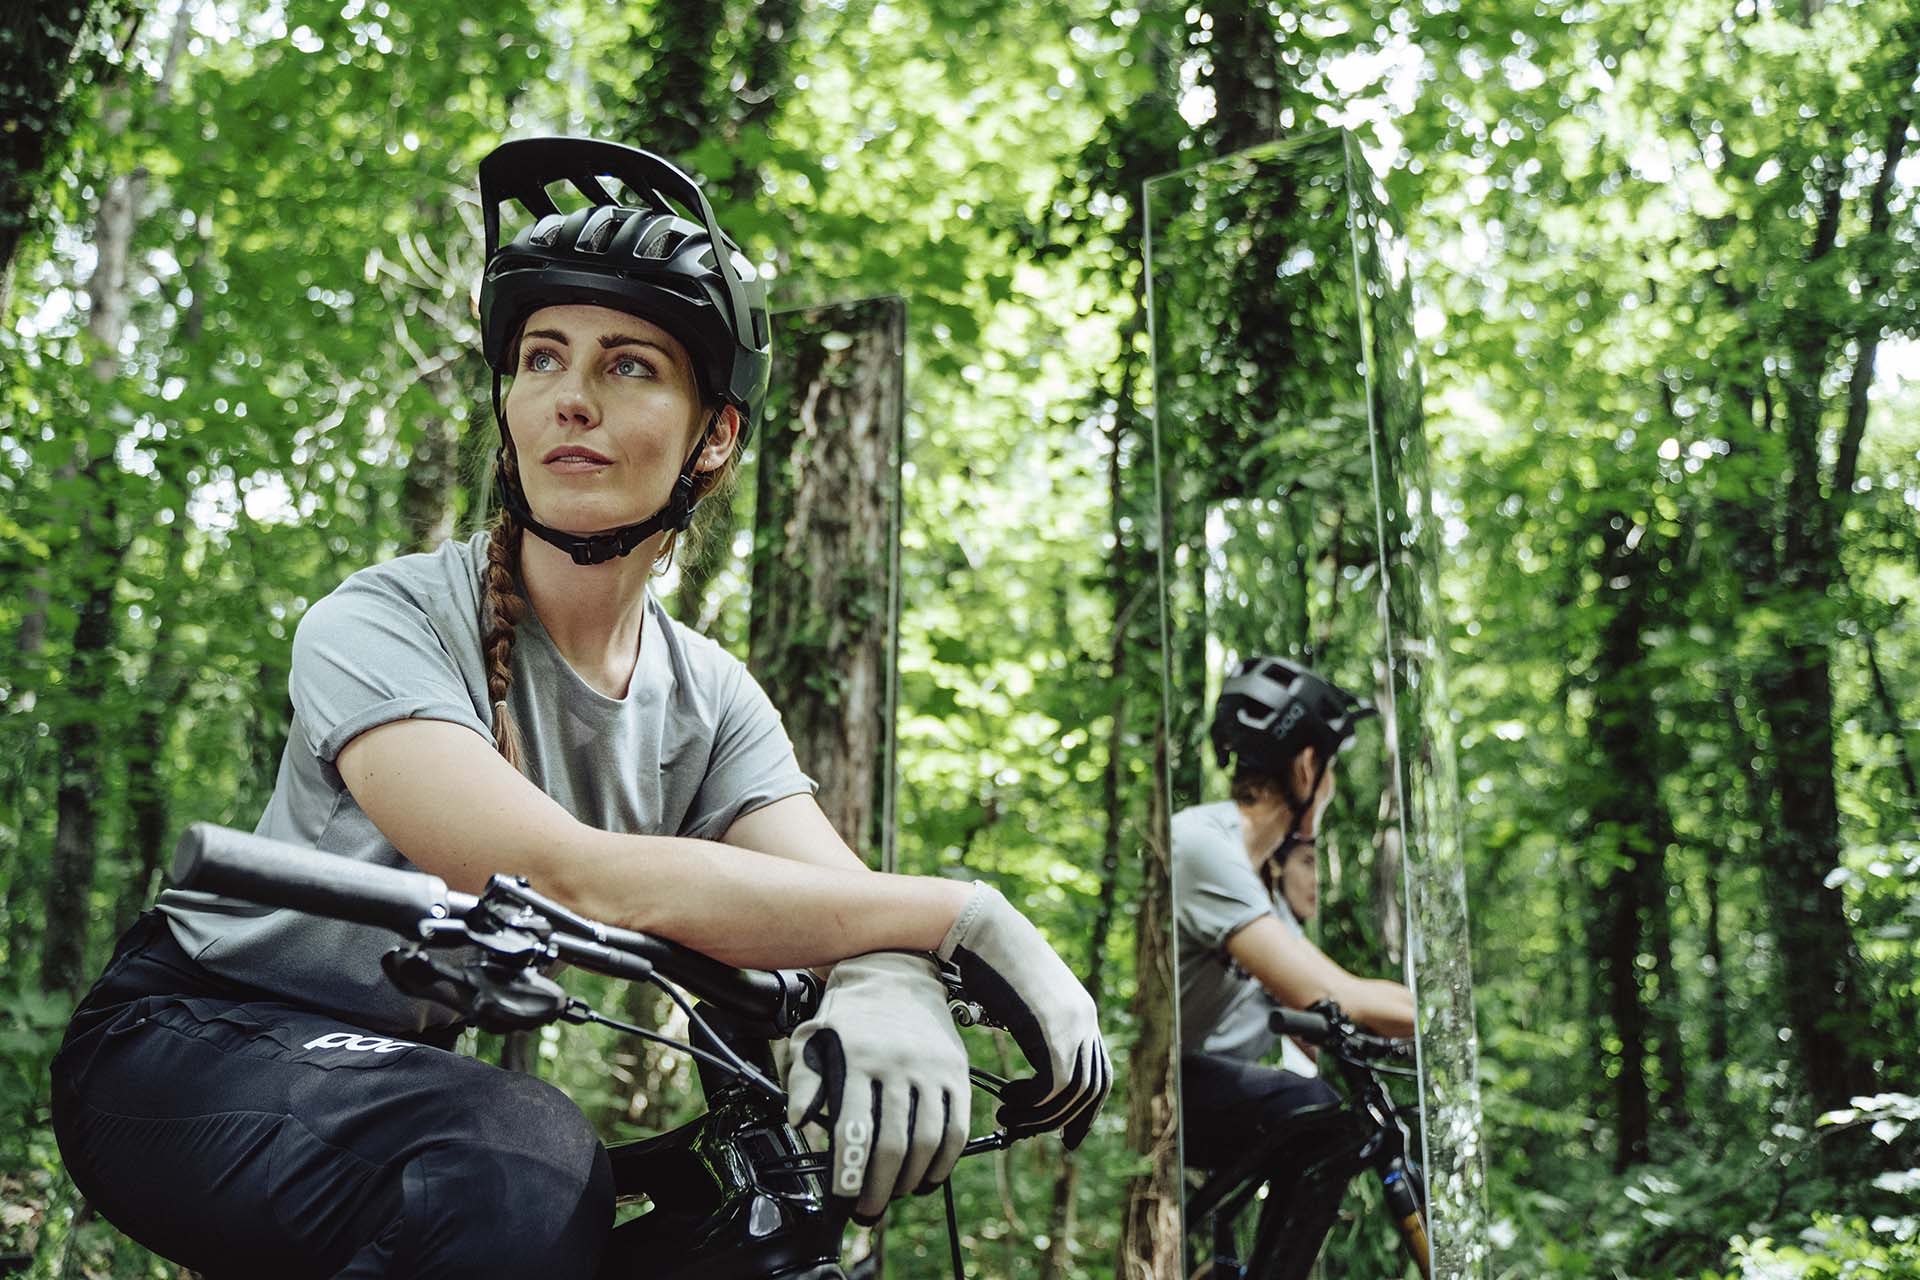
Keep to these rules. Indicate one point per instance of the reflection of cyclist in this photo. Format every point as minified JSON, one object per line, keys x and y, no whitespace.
{"x":242,"y":1091}
{"x":1239,"y":942}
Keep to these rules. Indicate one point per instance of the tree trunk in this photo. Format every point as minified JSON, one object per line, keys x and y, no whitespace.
{"x":1244,"y":74}
{"x":1716,"y":966}
{"x":1821,"y":968}
{"x":1150,"y":1241}
{"x":1630,"y":822}
{"x":146,"y":752}
{"x":760,"y":76}
{"x":96,"y":551}
{"x":77,"y":737}
{"x":39,"y":42}
{"x":820,"y":639}
{"x":670,"y":109}
{"x":1664,"y":1006}
{"x":1820,"y":964}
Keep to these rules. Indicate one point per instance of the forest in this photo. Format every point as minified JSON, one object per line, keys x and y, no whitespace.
{"x":1652,"y":302}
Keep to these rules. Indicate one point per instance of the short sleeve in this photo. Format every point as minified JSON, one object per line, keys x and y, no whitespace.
{"x":1216,"y":893}
{"x":752,"y":763}
{"x":364,"y":656}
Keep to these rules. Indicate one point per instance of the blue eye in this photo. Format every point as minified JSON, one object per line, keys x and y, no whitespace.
{"x":632,"y":367}
{"x":540,"y":360}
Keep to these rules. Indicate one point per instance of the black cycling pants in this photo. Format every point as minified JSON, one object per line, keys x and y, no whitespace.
{"x":1227,"y":1103}
{"x":1230,"y":1107}
{"x":241,"y":1136}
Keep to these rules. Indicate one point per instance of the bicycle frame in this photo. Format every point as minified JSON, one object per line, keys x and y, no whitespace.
{"x":1362,"y":1134}
{"x":725,"y":1202}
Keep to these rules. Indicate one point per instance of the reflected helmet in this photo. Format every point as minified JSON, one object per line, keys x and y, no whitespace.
{"x":1272,"y":708}
{"x":662,"y":258}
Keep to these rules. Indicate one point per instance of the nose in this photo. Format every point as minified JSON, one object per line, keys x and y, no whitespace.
{"x":573,"y":403}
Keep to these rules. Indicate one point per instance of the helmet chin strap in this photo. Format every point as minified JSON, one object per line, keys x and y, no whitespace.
{"x":608,"y":544}
{"x":1293,"y":839}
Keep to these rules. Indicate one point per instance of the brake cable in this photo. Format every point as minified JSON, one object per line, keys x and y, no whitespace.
{"x":953,"y":1232}
{"x":579,"y":1012}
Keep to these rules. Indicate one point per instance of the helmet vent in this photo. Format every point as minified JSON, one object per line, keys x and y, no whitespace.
{"x":547,"y":231}
{"x":659,"y":240}
{"x":601,"y":227}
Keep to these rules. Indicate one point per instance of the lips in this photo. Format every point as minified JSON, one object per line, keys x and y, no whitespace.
{"x":575,"y":455}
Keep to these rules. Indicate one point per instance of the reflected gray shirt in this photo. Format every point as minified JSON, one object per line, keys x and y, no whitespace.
{"x":694,"y":745}
{"x":1216,"y":893}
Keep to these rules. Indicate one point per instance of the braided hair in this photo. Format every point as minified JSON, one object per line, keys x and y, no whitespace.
{"x":501,"y":609}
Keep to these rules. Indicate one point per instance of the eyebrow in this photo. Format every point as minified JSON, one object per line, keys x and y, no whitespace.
{"x":607,"y":341}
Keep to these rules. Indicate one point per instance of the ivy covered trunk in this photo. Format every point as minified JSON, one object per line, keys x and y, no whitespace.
{"x":826,"y":494}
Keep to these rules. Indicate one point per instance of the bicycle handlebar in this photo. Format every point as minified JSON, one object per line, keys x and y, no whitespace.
{"x":1336,"y":1035}
{"x":238,"y":864}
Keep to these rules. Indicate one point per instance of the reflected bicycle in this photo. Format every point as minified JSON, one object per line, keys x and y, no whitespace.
{"x":1242,"y":1217}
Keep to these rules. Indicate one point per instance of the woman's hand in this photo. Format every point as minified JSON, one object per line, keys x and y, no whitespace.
{"x":882,"y":1063}
{"x":1013,"y":974}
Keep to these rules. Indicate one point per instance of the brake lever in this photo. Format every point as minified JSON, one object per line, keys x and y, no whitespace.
{"x":492,"y":996}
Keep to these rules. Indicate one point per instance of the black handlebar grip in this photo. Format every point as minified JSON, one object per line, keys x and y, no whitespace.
{"x":1311,"y":1027}
{"x":237,"y":864}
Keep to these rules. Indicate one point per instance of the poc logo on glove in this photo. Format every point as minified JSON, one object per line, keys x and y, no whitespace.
{"x":356,"y":1044}
{"x":853,"y":1157}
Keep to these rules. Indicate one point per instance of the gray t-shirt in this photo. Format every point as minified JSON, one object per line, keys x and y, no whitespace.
{"x":693,"y":745}
{"x":1216,"y":893}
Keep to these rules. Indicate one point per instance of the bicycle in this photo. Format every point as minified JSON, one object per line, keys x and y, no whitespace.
{"x":735,"y":1193}
{"x":1367,"y":1132}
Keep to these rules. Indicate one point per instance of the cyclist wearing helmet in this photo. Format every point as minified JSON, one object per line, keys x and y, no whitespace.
{"x":243,"y":1092}
{"x":1239,"y":943}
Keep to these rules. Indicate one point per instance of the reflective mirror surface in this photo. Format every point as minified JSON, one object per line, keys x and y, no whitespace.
{"x":1295,"y":522}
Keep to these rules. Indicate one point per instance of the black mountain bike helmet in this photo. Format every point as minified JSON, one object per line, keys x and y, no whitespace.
{"x":1272,"y":708}
{"x":663,"y":258}
{"x":1269,"y":711}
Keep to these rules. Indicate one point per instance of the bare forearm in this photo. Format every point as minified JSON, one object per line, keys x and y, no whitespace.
{"x":1297,"y":974}
{"x":1383,"y":1007}
{"x":743,"y":907}
{"x":450,"y":804}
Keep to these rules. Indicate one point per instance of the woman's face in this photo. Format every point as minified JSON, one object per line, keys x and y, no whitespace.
{"x":1300,"y":881}
{"x":603,"y":410}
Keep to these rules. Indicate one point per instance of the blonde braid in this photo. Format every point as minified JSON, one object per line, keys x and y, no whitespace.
{"x":501,"y":609}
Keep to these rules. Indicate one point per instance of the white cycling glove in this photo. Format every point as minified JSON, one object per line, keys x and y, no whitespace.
{"x":1013,"y":974}
{"x":882,"y":1062}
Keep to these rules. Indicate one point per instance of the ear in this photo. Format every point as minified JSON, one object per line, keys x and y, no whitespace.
{"x":1305,"y":765}
{"x":722,"y":437}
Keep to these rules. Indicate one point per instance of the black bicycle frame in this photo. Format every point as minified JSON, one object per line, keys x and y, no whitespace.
{"x":1340,"y":1142}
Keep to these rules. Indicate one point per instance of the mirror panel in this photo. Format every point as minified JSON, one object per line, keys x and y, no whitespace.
{"x":1294,"y":508}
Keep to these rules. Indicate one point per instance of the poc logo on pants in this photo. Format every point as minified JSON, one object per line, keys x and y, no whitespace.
{"x":853,"y":1157}
{"x":356,"y":1044}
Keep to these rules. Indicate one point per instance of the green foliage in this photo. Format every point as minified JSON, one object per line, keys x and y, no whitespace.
{"x":1615,"y":213}
{"x":1836,"y":1248}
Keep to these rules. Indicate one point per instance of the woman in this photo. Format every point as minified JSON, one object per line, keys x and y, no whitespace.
{"x":1240,"y":946}
{"x":523,"y":704}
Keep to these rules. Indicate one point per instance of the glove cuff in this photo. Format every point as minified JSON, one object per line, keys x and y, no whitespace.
{"x":914,"y":964}
{"x":975,"y":907}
